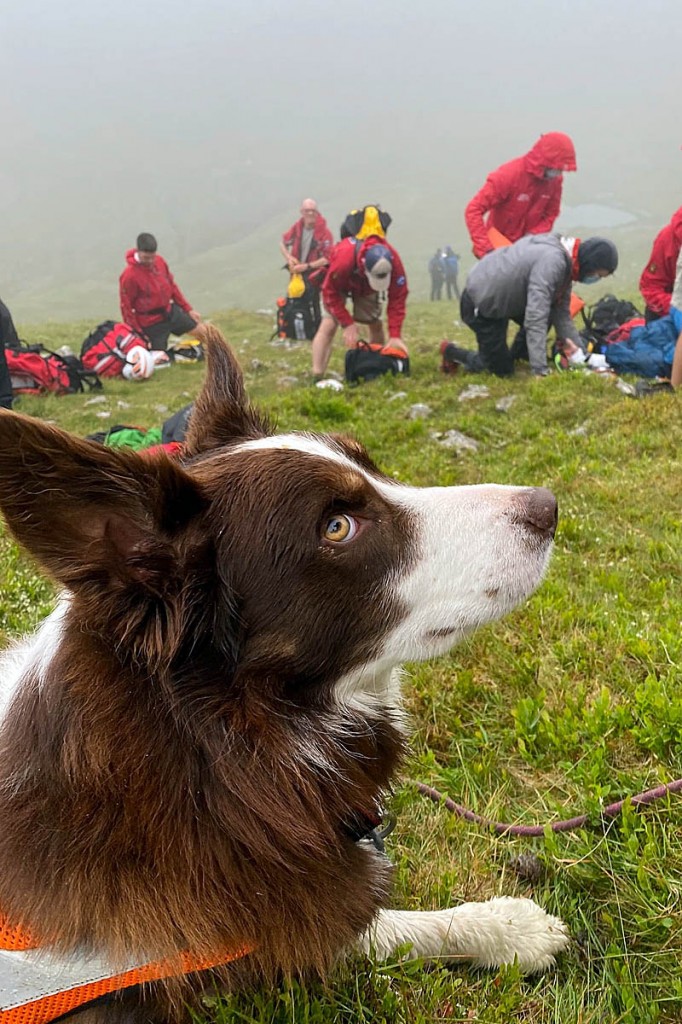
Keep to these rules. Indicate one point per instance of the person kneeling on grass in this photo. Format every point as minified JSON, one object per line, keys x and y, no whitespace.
{"x":151,"y":302}
{"x":364,"y":269}
{"x":528,"y":282}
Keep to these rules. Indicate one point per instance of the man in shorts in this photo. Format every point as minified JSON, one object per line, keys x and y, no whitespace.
{"x":151,"y":302}
{"x":364,"y":271}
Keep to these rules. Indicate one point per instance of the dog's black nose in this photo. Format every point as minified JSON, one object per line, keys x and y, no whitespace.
{"x":538,"y":508}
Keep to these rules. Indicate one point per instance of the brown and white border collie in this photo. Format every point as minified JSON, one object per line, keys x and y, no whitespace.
{"x":196,"y":743}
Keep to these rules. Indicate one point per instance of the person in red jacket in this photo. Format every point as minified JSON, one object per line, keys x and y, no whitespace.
{"x":306,"y":247}
{"x":658,"y":277}
{"x":308,"y":242}
{"x":523,"y":196}
{"x":151,"y":302}
{"x":363,"y":270}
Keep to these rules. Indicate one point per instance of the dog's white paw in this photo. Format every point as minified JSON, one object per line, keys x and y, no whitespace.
{"x":504,"y":930}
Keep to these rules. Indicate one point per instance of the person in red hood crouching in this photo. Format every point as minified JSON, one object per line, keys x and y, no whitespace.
{"x":523,"y":196}
{"x":364,"y":270}
{"x":151,"y":302}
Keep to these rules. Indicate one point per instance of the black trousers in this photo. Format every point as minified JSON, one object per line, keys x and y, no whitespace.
{"x":5,"y":381}
{"x":178,"y":322}
{"x":313,"y":295}
{"x":493,"y":353}
{"x":8,"y":336}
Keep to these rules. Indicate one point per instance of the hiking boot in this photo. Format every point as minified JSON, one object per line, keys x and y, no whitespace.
{"x":645,"y":388}
{"x":449,"y":363}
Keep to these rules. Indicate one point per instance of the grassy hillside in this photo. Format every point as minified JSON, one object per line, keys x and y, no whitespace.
{"x":572,"y":702}
{"x":239,"y":264}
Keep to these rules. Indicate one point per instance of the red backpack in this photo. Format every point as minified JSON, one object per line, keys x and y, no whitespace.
{"x":34,"y":370}
{"x":105,"y":349}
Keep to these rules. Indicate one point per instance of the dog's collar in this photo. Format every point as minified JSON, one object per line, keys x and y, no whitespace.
{"x":374,"y":825}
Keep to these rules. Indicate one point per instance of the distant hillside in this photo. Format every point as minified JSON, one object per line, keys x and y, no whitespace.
{"x":245,"y":271}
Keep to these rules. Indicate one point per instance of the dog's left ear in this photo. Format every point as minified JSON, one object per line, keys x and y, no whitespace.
{"x":100,"y":521}
{"x":222,"y":413}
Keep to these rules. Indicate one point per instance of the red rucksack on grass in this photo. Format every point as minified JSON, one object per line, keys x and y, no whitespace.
{"x":105,"y":349}
{"x":35,"y":370}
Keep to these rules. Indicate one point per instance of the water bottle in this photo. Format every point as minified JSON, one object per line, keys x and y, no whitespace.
{"x":299,"y":327}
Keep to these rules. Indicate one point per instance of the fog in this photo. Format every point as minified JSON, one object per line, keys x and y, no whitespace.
{"x":207,"y":123}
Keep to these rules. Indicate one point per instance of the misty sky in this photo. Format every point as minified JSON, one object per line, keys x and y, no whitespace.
{"x":207,"y":123}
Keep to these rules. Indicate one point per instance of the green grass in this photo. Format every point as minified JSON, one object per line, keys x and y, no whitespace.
{"x":573,"y":701}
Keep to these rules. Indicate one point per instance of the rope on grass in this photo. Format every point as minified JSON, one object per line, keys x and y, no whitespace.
{"x":504,"y":829}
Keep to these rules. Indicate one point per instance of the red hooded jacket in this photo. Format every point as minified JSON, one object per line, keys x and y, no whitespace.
{"x":517,"y":198}
{"x":346,"y":277}
{"x":658,"y":277}
{"x":320,"y":245}
{"x":147,"y":292}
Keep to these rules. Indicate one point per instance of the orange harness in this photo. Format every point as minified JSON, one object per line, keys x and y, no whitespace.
{"x":32,"y":1003}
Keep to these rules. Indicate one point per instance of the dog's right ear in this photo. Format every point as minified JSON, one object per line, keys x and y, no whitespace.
{"x":222,"y":413}
{"x":94,"y":517}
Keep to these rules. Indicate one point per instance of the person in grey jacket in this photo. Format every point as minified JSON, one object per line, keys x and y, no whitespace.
{"x":528,"y":282}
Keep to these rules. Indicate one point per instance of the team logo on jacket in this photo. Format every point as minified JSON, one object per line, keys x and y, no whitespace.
{"x":523,"y":198}
{"x":652,"y":268}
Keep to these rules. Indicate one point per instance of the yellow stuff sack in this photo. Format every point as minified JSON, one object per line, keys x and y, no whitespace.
{"x":369,"y":221}
{"x":296,"y":286}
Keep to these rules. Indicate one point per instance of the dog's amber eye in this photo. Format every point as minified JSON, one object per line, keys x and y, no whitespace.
{"x":340,"y":528}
